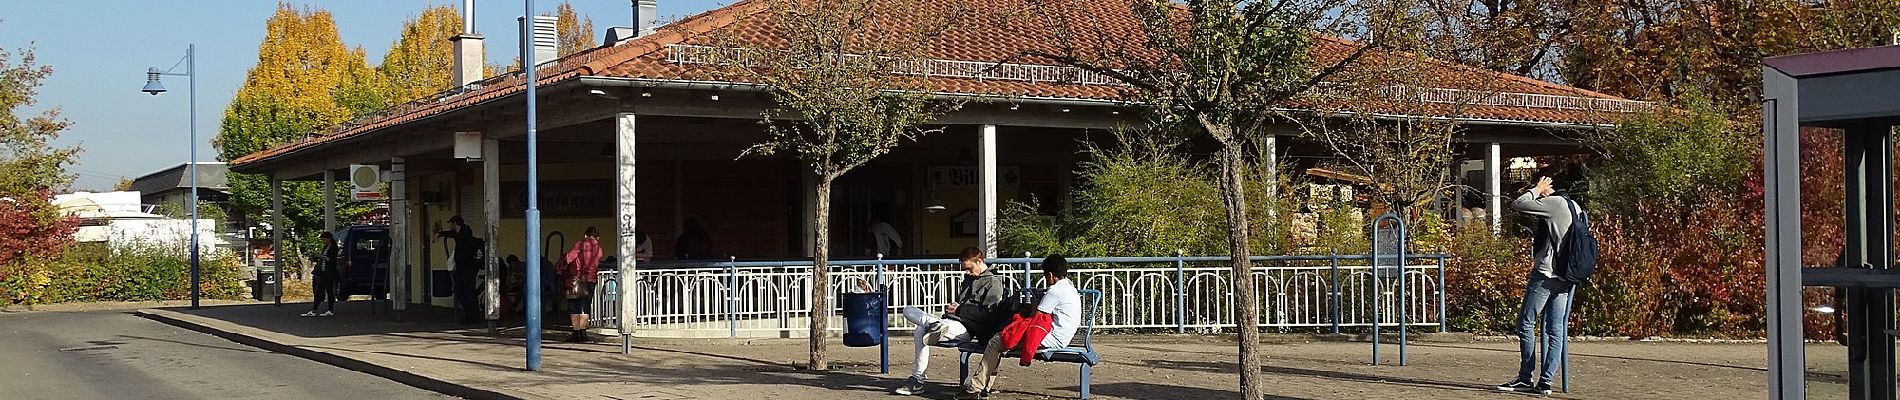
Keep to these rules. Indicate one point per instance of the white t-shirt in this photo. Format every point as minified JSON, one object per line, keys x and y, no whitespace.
{"x":887,"y":238}
{"x":1064,"y":305}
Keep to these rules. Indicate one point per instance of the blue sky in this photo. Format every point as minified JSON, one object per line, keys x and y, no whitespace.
{"x":99,"y":50}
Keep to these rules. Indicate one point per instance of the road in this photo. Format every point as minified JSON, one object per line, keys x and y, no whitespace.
{"x":116,"y":355}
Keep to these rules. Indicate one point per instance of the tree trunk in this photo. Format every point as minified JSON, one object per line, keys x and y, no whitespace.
{"x":820,"y":272}
{"x":1246,"y":308}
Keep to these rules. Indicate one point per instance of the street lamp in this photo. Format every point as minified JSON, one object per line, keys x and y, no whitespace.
{"x":153,"y":86}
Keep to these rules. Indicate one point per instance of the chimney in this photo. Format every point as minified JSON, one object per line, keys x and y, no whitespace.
{"x":646,"y":16}
{"x":468,"y":48}
{"x":545,"y":38}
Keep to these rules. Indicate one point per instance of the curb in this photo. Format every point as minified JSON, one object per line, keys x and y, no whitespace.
{"x":345,"y":362}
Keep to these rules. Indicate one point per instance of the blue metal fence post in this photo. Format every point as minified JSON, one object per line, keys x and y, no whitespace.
{"x":883,"y":321}
{"x":1405,"y":316}
{"x":1564,"y":346}
{"x":1180,"y":293}
{"x":732,"y":296}
{"x":1335,"y":289}
{"x":1026,"y":267}
{"x":1375,"y":291}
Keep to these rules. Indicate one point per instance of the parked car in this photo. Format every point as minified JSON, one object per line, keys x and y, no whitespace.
{"x":365,"y":263}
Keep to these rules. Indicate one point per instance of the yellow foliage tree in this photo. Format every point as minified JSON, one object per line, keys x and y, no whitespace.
{"x":305,"y":81}
{"x":418,"y":63}
{"x":573,"y":32}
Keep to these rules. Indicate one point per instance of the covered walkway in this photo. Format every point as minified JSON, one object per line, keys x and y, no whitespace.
{"x":640,"y":135}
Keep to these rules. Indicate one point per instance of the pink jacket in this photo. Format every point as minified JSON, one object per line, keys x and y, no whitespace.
{"x":584,"y":260}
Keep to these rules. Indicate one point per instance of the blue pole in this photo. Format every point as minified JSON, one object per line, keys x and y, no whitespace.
{"x":191,"y":72}
{"x":883,"y":320}
{"x":1026,"y":262}
{"x":1335,"y":288}
{"x":533,"y":215}
{"x":1375,"y":292}
{"x":1404,"y":316}
{"x":1565,"y":337}
{"x":1180,"y":293}
{"x":732,"y":295}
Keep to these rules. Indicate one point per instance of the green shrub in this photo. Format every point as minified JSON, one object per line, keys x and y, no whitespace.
{"x":136,"y":273}
{"x":1145,"y":199}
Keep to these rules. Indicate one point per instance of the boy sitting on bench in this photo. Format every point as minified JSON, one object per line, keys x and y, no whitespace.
{"x":1064,"y":306}
{"x":981,"y":308}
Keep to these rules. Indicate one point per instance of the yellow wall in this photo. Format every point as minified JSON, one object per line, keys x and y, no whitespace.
{"x":511,"y":229}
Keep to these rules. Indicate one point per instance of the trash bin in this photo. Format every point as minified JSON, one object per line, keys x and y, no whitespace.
{"x":865,"y":318}
{"x":264,"y":287}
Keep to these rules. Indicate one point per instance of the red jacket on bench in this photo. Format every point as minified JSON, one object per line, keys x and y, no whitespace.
{"x":1025,"y":335}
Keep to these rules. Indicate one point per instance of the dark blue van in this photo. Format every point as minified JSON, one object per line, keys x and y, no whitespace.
{"x":365,"y":260}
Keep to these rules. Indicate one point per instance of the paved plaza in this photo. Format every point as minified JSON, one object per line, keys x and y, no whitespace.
{"x":466,"y":361}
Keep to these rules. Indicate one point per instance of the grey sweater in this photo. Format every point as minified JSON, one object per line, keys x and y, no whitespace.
{"x":1554,"y":212}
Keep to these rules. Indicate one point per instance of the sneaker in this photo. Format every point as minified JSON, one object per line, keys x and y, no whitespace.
{"x":912,"y":387}
{"x":1517,"y":386}
{"x":327,"y":314}
{"x":1542,"y":388}
{"x":311,"y":313}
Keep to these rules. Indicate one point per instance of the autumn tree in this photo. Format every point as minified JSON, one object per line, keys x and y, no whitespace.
{"x":1371,"y":121}
{"x":123,"y":184}
{"x":305,"y":81}
{"x":572,"y":31}
{"x":1218,"y":69}
{"x":842,"y":100}
{"x":31,"y":168}
{"x":416,"y":64}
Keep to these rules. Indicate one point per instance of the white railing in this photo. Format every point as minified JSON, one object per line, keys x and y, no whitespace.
{"x":1149,"y":292}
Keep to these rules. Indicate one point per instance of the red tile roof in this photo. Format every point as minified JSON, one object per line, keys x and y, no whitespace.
{"x":1010,"y":35}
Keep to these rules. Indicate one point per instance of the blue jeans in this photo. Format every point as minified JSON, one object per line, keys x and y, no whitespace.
{"x":1551,"y":298}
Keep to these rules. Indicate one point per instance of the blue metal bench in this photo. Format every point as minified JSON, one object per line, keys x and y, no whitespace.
{"x":1083,"y":355}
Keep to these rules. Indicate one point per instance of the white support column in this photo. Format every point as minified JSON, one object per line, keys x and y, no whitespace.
{"x":491,"y":227}
{"x":329,"y":201}
{"x":398,"y":234}
{"x":277,"y":228}
{"x":986,"y":189}
{"x":1494,"y":186}
{"x":629,"y":242}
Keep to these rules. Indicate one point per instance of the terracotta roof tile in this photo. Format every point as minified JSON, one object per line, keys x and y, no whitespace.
{"x":1011,"y":34}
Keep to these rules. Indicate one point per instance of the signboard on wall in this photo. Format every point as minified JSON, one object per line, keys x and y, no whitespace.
{"x":366,"y":182}
{"x":579,"y":198}
{"x":960,"y":176}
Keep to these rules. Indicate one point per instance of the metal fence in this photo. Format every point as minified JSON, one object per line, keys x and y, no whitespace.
{"x":1179,"y":293}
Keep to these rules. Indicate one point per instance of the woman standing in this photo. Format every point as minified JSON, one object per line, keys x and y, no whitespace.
{"x":581,"y":271}
{"x":324,"y":278}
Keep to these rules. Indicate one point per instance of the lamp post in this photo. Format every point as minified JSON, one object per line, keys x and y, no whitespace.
{"x":191,"y":204}
{"x":533,"y":214}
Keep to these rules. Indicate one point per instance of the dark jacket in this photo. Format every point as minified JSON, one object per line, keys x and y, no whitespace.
{"x":468,"y":248}
{"x":983,"y":304}
{"x":328,"y":267}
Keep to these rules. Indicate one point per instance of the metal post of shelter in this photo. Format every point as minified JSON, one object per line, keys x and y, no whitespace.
{"x":1849,"y":90}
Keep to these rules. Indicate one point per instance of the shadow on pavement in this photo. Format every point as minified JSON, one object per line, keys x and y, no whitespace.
{"x":1161,"y":391}
{"x":1228,"y":367}
{"x":352,"y":318}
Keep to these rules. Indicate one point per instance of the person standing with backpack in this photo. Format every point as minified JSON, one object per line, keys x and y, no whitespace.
{"x":1552,"y":280}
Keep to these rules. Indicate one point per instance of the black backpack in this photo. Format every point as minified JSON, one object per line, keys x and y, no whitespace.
{"x":1577,"y":254}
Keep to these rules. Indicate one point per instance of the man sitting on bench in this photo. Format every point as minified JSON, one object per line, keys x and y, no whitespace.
{"x":1064,"y":305}
{"x":979,"y":312}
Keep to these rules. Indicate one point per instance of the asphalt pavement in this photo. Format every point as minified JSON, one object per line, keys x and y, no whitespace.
{"x":117,"y":355}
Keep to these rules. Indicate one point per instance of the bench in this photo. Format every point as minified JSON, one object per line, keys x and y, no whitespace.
{"x":1084,"y":355}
